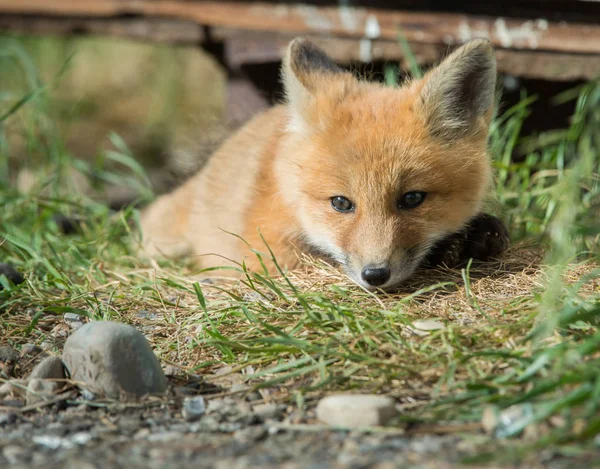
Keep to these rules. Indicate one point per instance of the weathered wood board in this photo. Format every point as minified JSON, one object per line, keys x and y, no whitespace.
{"x":255,"y":31}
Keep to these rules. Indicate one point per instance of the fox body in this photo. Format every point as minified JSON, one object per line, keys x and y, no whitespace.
{"x":368,"y":175}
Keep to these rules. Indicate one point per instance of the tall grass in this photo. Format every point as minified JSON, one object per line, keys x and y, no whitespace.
{"x":532,"y":359}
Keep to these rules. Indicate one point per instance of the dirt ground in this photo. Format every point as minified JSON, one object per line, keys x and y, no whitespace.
{"x":236,"y":431}
{"x":241,"y":427}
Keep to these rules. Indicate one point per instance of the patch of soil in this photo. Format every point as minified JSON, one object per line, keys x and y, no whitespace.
{"x":154,"y":434}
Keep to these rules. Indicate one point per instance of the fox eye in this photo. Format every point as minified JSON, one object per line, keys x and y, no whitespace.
{"x":342,"y":204}
{"x":412,"y":199}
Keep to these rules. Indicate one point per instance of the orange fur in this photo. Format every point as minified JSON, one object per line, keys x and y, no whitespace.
{"x":338,"y":136}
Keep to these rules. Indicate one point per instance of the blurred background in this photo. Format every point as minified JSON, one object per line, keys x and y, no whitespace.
{"x":162,"y":82}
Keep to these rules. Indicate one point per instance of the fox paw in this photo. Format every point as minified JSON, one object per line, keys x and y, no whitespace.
{"x":483,"y":238}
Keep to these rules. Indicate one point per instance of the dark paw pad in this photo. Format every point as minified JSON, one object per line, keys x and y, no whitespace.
{"x":448,"y":252}
{"x":484,"y":237}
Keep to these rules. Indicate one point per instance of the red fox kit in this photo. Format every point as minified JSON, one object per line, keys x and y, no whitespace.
{"x":378,"y":179}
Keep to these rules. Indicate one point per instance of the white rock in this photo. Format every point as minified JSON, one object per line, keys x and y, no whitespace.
{"x":428,"y":325}
{"x":356,"y":410}
{"x":81,"y":438}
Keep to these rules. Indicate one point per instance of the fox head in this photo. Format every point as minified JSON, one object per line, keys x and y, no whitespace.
{"x":377,"y":175}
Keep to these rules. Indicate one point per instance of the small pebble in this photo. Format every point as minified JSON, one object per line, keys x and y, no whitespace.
{"x":81,"y":438}
{"x":250,"y":434}
{"x":171,"y":370}
{"x":48,"y":441}
{"x":141,"y":434}
{"x":13,"y":453}
{"x":71,"y":317}
{"x":30,"y":349}
{"x":426,"y":444}
{"x":224,"y":370}
{"x":356,"y":410}
{"x":46,"y":345}
{"x":268,"y":411}
{"x":193,"y":408}
{"x":88,"y":395}
{"x":8,"y":418}
{"x":514,"y":419}
{"x":254,"y":396}
{"x":239,"y":387}
{"x":48,"y":368}
{"x":9,"y":358}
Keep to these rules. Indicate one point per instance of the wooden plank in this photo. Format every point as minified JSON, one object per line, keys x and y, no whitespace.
{"x":370,"y":23}
{"x":253,"y":47}
{"x":157,"y":30}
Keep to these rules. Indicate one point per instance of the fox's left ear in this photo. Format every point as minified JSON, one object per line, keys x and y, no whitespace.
{"x":308,"y":73}
{"x":457,"y":97}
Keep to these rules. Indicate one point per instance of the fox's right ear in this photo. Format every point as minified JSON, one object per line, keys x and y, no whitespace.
{"x":308,"y":72}
{"x":457,"y":96}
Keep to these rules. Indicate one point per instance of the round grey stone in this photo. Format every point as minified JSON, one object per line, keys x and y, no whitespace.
{"x":356,"y":410}
{"x":114,"y":360}
{"x":48,"y":368}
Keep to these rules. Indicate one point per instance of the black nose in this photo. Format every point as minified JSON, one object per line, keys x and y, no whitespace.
{"x":376,"y":277}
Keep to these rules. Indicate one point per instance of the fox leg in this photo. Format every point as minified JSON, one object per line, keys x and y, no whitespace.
{"x":483,"y":238}
{"x":164,"y":225}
